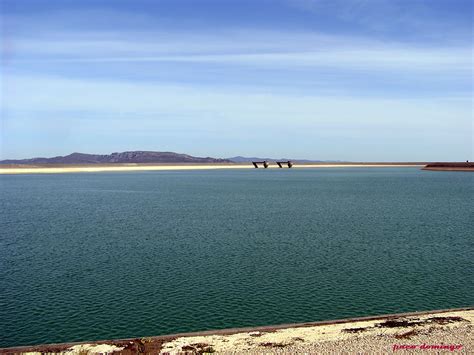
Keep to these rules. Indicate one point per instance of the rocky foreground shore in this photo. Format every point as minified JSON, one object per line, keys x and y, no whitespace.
{"x":441,"y":332}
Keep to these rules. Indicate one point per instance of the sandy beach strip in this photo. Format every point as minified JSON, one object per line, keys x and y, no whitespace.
{"x":436,"y":332}
{"x":169,"y":167}
{"x":423,"y":333}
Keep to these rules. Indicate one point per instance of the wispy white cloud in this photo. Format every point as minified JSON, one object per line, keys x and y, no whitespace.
{"x":362,"y":59}
{"x":87,"y":111}
{"x":245,"y":48}
{"x":232,"y":90}
{"x":110,"y":97}
{"x":420,"y":20}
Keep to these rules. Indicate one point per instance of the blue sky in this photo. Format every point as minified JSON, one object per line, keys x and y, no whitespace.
{"x":359,"y":80}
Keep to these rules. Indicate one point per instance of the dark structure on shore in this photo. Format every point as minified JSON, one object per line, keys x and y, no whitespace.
{"x":264,"y":163}
{"x":289,"y":163}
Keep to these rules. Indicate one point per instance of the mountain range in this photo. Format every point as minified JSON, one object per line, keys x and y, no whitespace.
{"x":125,"y":157}
{"x":140,"y":157}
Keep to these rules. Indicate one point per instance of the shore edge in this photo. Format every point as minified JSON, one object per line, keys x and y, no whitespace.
{"x":156,"y":344}
{"x":15,"y":170}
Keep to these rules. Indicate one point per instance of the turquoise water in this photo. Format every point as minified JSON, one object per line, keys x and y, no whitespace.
{"x":117,"y":255}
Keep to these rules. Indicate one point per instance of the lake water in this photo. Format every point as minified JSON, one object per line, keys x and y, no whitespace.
{"x":117,"y":255}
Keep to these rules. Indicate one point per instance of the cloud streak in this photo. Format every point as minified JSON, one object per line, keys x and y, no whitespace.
{"x":86,"y":110}
{"x":247,"y":48}
{"x":356,"y":80}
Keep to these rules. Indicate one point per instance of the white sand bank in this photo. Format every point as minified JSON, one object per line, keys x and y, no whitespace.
{"x":131,"y":167}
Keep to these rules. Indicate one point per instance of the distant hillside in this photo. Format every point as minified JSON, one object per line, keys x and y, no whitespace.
{"x":125,"y":157}
{"x":240,"y":159}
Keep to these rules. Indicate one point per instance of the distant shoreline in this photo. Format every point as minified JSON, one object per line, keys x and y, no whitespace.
{"x":14,"y":169}
{"x":450,"y":167}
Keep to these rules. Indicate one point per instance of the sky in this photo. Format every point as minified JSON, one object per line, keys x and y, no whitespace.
{"x":353,"y":80}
